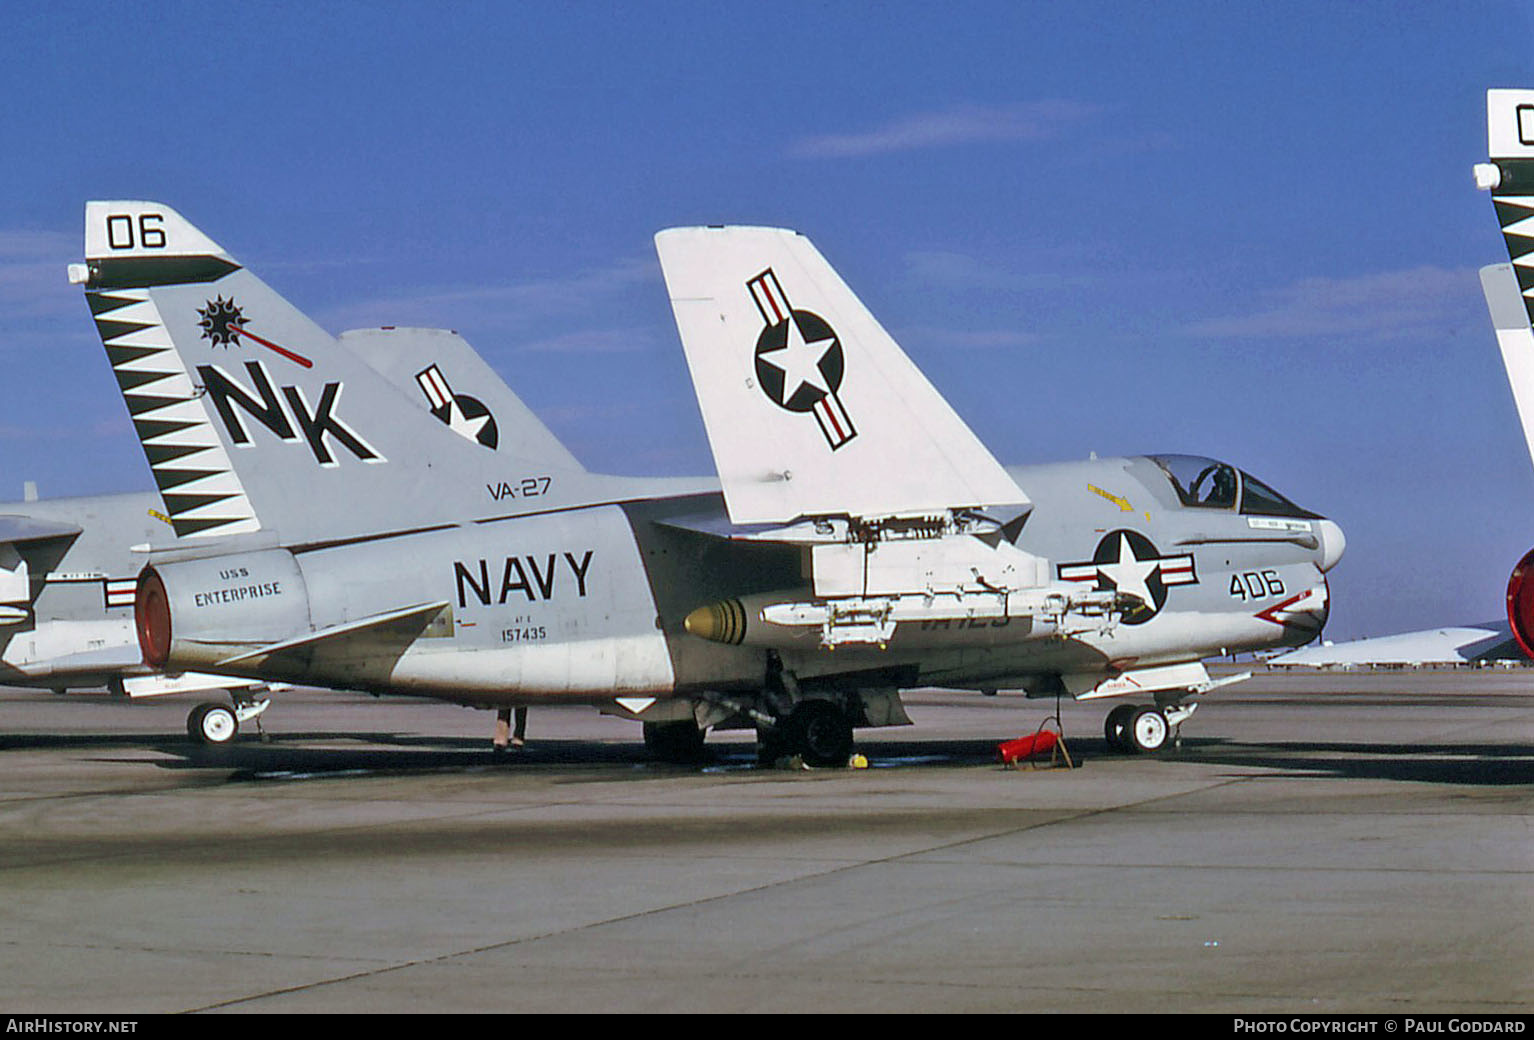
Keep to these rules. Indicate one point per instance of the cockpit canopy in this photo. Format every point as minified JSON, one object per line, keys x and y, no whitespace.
{"x":1210,"y":484}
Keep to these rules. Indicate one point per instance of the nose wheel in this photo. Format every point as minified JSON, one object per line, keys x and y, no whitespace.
{"x":214,"y":725}
{"x":1147,"y":731}
{"x":1142,"y":729}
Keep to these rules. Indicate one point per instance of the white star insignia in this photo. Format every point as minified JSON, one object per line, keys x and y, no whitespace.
{"x":1130,"y":575}
{"x":799,"y":361}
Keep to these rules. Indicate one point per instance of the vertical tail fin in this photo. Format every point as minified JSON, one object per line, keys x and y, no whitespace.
{"x":1510,"y":179}
{"x":811,"y":407}
{"x":438,"y":370}
{"x":1509,"y":288}
{"x":131,"y":250}
{"x":252,"y":417}
{"x":1510,"y":318}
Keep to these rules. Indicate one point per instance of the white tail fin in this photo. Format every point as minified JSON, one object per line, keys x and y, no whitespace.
{"x":812,"y":409}
{"x":1510,"y":178}
{"x":1509,"y":288}
{"x":253,"y":418}
{"x":440,"y":371}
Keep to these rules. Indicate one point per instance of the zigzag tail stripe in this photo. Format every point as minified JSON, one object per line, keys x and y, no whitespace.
{"x":197,"y":483}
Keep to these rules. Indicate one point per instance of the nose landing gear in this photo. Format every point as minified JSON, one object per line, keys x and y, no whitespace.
{"x":215,"y":725}
{"x":1142,"y":729}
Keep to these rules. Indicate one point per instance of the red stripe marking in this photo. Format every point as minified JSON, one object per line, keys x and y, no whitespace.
{"x":762,"y":285}
{"x":272,"y":346}
{"x":831,"y":418}
{"x":436,"y":389}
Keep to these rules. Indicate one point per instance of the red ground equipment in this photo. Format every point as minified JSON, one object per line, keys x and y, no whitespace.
{"x":1011,"y":751}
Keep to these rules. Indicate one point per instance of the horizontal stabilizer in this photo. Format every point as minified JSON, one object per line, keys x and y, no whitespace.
{"x":105,"y":661}
{"x":811,"y":407}
{"x":18,"y":530}
{"x":337,"y":636}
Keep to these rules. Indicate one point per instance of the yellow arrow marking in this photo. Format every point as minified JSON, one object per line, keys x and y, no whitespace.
{"x":1122,"y":503}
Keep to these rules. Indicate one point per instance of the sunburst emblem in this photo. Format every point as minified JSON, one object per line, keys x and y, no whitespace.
{"x":221,"y":321}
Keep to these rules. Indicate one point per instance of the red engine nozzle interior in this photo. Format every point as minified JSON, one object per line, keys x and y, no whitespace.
{"x":151,"y":617}
{"x":1520,"y":602}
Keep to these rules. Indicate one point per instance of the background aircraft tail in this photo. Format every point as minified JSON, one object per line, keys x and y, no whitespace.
{"x":439,"y":370}
{"x":253,"y":418}
{"x":1509,"y":288}
{"x":1510,"y":179}
{"x":811,"y":407}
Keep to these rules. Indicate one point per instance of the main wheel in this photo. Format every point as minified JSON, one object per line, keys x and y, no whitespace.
{"x":212,"y":724}
{"x":678,"y":742}
{"x":820,"y":732}
{"x":1115,"y":727}
{"x":1147,"y":731}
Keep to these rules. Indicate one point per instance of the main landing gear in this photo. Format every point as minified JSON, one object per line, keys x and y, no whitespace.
{"x":811,"y":726}
{"x":819,"y":732}
{"x":214,"y":725}
{"x":814,"y":728}
{"x":1143,"y":729}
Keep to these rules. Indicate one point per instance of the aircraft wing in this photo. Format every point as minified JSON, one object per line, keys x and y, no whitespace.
{"x":1452,"y":645}
{"x":16,"y":584}
{"x":17,"y":530}
{"x":812,"y":409}
{"x":365,"y":636}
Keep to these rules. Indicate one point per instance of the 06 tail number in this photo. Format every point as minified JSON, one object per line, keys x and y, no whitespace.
{"x":148,"y":232}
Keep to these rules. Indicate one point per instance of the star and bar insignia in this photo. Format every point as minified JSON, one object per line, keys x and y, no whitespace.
{"x":1128,"y":562}
{"x":799,"y":360}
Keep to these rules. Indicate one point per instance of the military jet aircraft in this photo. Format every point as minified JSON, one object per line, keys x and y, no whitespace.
{"x":860,"y":540}
{"x":1485,"y":642}
{"x":68,"y":567}
{"x":1509,"y":289}
{"x":67,"y":575}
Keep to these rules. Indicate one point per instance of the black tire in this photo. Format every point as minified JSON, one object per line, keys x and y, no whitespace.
{"x":678,"y":742}
{"x":1114,"y":727}
{"x":1147,"y":732}
{"x":212,"y":724}
{"x":821,"y":733}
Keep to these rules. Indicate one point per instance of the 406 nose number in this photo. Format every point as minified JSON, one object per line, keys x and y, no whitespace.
{"x":1249,"y":585}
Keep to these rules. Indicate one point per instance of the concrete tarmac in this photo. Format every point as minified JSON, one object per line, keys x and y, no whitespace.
{"x":1318,"y":843}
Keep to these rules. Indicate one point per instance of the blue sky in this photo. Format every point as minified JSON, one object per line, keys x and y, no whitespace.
{"x":1238,"y":230}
